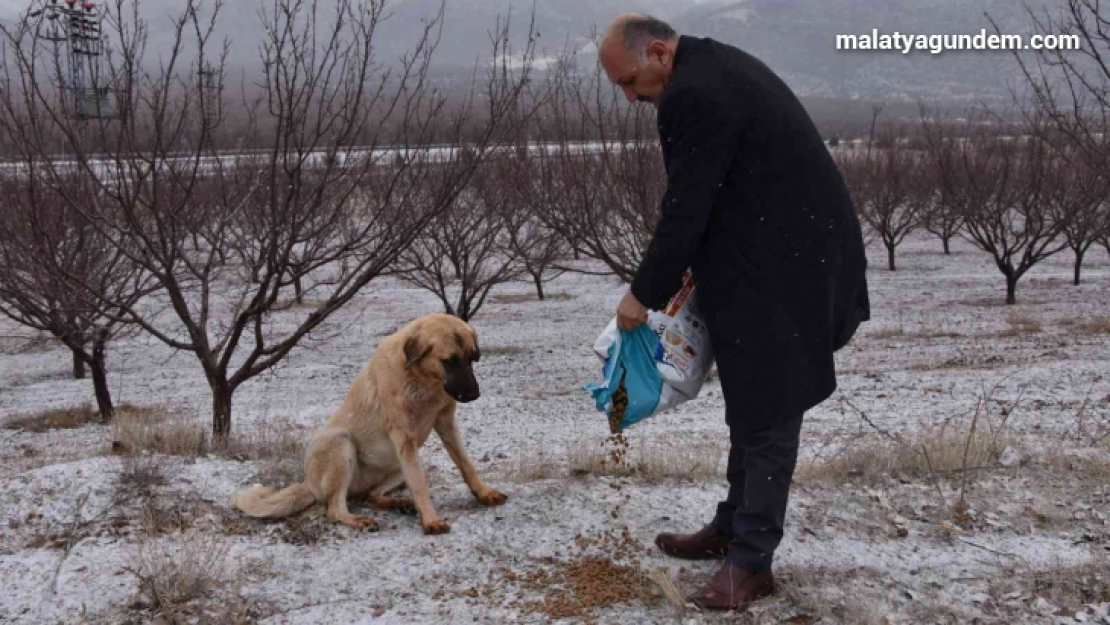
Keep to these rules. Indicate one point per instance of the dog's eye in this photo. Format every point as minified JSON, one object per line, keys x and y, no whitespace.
{"x":453,"y":361}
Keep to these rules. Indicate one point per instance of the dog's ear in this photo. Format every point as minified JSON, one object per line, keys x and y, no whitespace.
{"x":477,"y":352}
{"x":415,"y":350}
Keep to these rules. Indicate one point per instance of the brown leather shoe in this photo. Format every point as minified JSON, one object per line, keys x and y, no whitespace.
{"x":705,"y":544}
{"x":733,"y":588}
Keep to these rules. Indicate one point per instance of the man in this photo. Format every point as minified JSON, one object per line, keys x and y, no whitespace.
{"x":757,"y":210}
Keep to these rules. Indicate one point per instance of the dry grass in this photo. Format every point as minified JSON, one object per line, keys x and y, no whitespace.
{"x":1066,"y":458}
{"x":159,"y":431}
{"x":859,"y":596}
{"x":924,"y":334}
{"x":937,"y":334}
{"x":651,"y":460}
{"x":141,"y":473}
{"x":1069,"y":588}
{"x":802,"y":588}
{"x":935,"y":450}
{"x":988,"y":362}
{"x":164,"y":515}
{"x":144,"y":435}
{"x":1096,"y":325}
{"x":1000,"y":302}
{"x":58,"y":419}
{"x":534,"y":466}
{"x":1021,"y":325}
{"x":668,"y":589}
{"x":173,"y":574}
{"x":187,"y":581}
{"x":506,"y":350}
{"x":889,"y":333}
{"x":520,"y":298}
{"x":273,"y":439}
{"x":37,"y":343}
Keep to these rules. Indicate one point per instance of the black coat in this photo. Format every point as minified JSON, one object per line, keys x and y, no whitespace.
{"x":757,"y":209}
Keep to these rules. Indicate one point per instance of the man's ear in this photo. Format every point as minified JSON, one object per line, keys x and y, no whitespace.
{"x":659,"y":48}
{"x":415,"y":350}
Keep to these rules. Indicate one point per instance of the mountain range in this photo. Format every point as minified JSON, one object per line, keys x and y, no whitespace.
{"x":796,"y":38}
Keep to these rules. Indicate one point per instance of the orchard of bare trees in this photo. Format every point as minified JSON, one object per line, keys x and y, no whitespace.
{"x":1019,"y":188}
{"x":141,"y":221}
{"x":148,"y":222}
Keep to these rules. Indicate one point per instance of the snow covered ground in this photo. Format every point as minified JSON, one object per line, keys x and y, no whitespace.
{"x":864,"y":545}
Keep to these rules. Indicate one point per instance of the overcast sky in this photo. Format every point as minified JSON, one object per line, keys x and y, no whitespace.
{"x":794,"y":37}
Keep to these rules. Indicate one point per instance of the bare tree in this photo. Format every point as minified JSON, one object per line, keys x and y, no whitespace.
{"x":1002,"y":185}
{"x":876,"y":111}
{"x":1104,"y":210}
{"x":325,"y":208}
{"x":891,"y":189}
{"x":537,"y":248}
{"x":1076,"y":195}
{"x":464,"y":251}
{"x":50,"y":258}
{"x":1072,"y":87}
{"x":944,"y":214}
{"x":602,"y":195}
{"x":941,"y":217}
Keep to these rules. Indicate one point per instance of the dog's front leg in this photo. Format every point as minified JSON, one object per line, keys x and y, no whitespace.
{"x":413,"y":471}
{"x":448,"y":430}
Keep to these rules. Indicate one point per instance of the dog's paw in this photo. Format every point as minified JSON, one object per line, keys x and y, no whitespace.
{"x":492,"y":497}
{"x":434,"y":528}
{"x":361,"y":522}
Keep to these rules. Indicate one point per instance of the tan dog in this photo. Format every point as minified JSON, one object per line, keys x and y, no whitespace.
{"x":369,"y":445}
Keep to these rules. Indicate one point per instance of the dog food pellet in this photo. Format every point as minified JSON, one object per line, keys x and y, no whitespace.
{"x":616,"y":411}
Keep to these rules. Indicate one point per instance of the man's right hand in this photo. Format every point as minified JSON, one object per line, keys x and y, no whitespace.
{"x":631,"y":313}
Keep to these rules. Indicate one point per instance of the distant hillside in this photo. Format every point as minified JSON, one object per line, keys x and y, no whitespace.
{"x":795,"y":37}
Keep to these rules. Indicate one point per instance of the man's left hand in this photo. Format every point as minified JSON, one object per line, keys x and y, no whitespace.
{"x":631,"y":313}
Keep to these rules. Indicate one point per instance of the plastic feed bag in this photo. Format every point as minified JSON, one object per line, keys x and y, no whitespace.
{"x":655,"y":367}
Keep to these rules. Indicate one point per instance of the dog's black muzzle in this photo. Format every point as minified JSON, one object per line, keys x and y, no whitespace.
{"x":459,"y":382}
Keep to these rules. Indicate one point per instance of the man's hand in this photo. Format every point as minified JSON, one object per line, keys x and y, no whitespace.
{"x":630,"y":312}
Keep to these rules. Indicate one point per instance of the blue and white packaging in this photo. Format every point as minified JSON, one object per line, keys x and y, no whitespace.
{"x":663,"y":363}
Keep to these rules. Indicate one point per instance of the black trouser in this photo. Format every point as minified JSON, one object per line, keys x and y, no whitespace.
{"x":760,"y":468}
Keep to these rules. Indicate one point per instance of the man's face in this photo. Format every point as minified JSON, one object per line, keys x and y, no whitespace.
{"x":640,"y":82}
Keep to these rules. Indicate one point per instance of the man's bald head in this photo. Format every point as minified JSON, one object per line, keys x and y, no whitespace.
{"x":635,"y":31}
{"x":637,"y":53}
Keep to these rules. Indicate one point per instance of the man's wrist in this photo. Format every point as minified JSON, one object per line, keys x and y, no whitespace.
{"x":641,"y":293}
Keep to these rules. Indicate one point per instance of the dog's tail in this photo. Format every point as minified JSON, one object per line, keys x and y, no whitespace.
{"x":264,"y":503}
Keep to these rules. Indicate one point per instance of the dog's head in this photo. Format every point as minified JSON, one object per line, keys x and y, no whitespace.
{"x":444,"y":347}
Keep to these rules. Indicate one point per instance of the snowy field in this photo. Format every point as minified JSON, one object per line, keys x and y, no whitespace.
{"x":1006,"y":523}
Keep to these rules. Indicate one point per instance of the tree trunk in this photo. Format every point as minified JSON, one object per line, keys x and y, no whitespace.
{"x":538,"y":278}
{"x":221,"y":410}
{"x":890,"y":257}
{"x":100,"y":384}
{"x":78,"y":365}
{"x":1078,"y":265}
{"x":1011,"y":290}
{"x":298,"y":291}
{"x":947,"y":248}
